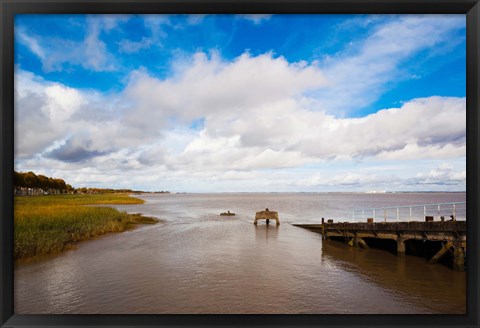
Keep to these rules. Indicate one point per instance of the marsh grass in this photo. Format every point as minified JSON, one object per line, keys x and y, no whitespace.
{"x":53,"y":223}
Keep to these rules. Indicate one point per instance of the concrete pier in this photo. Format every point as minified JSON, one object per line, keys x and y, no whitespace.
{"x":266,"y":215}
{"x":451,"y":233}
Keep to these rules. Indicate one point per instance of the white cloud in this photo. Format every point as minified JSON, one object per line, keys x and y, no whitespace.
{"x":128,"y":46}
{"x":257,"y":136}
{"x":358,"y":76}
{"x":94,"y":55}
{"x":195,"y":19}
{"x":287,"y":135}
{"x":73,"y":125}
{"x":108,"y":22}
{"x":256,"y":18}
{"x":434,"y":175}
{"x":211,"y":87}
{"x":67,"y":101}
{"x":443,"y":174}
{"x":264,"y":122}
{"x":154,"y":24}
{"x":30,"y":42}
{"x":90,"y":53}
{"x":42,"y":110}
{"x":344,"y":179}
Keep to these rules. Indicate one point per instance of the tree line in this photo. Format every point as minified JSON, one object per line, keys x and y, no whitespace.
{"x":42,"y":184}
{"x":31,"y":180}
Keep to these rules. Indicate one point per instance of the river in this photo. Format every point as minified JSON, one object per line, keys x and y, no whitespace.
{"x":200,"y":262}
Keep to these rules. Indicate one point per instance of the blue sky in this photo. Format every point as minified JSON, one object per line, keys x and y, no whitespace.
{"x":243,"y":102}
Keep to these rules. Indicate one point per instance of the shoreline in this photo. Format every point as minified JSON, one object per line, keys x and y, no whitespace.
{"x":46,"y":226}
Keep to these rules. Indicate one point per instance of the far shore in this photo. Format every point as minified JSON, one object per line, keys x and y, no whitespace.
{"x":50,"y":224}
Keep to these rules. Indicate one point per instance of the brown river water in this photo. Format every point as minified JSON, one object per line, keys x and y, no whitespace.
{"x":200,"y":262}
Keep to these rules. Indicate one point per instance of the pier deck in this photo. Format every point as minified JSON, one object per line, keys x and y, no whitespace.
{"x":451,"y":233}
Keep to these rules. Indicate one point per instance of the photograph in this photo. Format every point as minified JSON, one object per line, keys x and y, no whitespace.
{"x":240,"y":164}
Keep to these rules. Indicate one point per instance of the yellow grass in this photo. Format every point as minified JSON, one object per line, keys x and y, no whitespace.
{"x":53,"y":223}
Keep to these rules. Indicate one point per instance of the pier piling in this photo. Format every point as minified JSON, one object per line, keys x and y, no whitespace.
{"x":452,"y":233}
{"x":441,"y":253}
{"x":401,"y":247}
{"x":458,"y":257}
{"x":323,"y":229}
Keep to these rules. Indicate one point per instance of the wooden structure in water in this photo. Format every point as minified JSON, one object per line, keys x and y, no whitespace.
{"x":266,"y":215}
{"x":228,"y":213}
{"x":452,"y":234}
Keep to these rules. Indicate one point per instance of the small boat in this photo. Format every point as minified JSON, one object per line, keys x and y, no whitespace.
{"x":228,"y":213}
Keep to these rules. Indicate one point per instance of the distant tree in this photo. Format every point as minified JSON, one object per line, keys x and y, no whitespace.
{"x":60,"y":183}
{"x":31,"y":180}
{"x":18,"y":179}
{"x":42,"y":182}
{"x":70,"y":188}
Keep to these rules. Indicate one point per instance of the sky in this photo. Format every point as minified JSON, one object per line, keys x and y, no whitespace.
{"x":243,"y":103}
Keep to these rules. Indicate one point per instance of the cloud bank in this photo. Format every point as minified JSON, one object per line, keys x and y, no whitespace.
{"x":271,"y":125}
{"x":255,"y":122}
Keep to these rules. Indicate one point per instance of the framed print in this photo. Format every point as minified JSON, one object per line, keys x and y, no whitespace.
{"x":237,"y":163}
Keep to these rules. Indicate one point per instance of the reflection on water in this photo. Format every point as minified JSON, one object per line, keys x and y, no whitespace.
{"x":426,"y":285}
{"x":263,"y":233}
{"x":199,"y":262}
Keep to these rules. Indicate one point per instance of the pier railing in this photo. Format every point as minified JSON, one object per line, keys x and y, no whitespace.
{"x":439,"y":211}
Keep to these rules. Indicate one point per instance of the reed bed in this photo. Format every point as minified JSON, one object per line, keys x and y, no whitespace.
{"x":53,"y":223}
{"x":78,"y":199}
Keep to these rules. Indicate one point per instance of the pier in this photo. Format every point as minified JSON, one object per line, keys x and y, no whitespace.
{"x":434,"y":238}
{"x":266,"y":215}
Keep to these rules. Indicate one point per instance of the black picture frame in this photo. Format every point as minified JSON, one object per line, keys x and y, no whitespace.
{"x":9,"y":8}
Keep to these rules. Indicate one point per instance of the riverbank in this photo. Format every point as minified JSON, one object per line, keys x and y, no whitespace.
{"x":50,"y":224}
